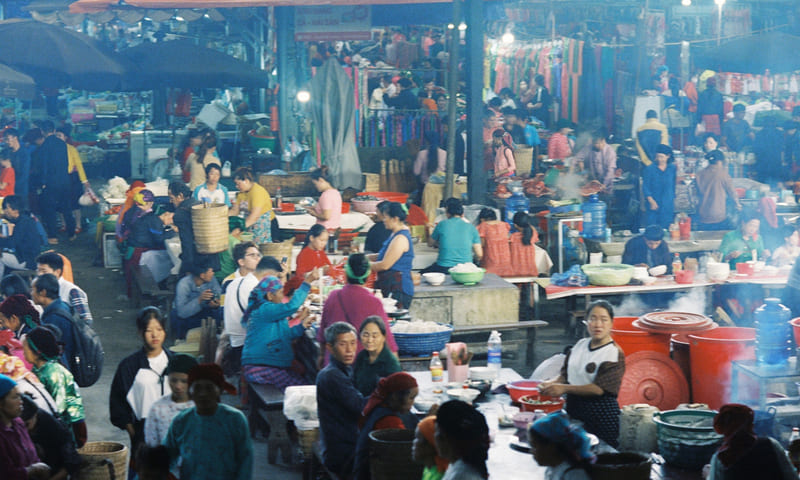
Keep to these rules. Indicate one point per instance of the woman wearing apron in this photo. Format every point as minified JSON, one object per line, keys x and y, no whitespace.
{"x":591,"y":376}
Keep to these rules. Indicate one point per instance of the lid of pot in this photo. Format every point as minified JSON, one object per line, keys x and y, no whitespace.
{"x":653,"y":378}
{"x":673,"y":322}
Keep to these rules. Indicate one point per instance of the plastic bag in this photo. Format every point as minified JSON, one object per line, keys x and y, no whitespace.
{"x":574,"y":277}
{"x":300,"y":403}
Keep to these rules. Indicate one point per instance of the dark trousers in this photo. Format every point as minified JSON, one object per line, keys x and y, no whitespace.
{"x":53,"y":201}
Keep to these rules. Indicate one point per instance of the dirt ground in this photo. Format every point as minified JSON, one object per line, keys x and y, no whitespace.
{"x":114,"y":318}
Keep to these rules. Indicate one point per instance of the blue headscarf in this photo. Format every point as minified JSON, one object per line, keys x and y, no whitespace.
{"x":572,"y":438}
{"x":258,"y":296}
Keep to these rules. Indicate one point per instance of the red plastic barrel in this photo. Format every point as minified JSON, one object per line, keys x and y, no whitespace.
{"x":679,"y":351}
{"x":795,"y":322}
{"x":631,"y":339}
{"x":711,"y":354}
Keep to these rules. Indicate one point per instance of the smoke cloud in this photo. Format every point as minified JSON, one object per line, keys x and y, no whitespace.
{"x":692,"y":302}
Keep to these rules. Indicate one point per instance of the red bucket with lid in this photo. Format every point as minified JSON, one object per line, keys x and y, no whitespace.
{"x":712,"y":353}
{"x":632,"y":339}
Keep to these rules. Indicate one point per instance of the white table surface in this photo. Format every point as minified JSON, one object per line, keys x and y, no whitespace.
{"x":304,"y":221}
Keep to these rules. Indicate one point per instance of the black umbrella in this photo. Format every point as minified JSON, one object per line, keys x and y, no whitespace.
{"x":775,"y":51}
{"x":182,"y":64}
{"x":58,"y":57}
{"x":14,"y":84}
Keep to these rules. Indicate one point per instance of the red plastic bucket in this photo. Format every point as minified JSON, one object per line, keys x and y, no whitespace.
{"x":711,"y":354}
{"x":679,"y":351}
{"x":796,"y":329}
{"x":631,"y":339}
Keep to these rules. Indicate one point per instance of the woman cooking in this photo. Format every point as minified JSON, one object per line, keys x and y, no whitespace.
{"x":591,"y":376}
{"x":310,"y":257}
{"x":393,"y":263}
{"x":253,"y":201}
{"x":376,"y":360}
{"x":328,"y":211}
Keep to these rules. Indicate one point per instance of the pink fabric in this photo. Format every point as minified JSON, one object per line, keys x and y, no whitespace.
{"x":504,"y":159}
{"x":331,"y":200}
{"x":558,"y":147}
{"x":359,"y":303}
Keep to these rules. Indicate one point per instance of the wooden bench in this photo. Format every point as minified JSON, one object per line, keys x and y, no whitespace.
{"x":266,"y":412}
{"x":144,"y":285}
{"x":518,"y":343}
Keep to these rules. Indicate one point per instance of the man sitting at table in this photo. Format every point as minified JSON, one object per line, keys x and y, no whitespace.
{"x":339,"y":403}
{"x":648,"y":250}
{"x":457,"y":239}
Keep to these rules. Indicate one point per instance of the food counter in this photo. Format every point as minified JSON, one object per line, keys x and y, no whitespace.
{"x":492,"y":301}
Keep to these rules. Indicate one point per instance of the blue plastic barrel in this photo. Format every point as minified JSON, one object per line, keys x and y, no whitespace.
{"x":517,"y":202}
{"x":773,"y":333}
{"x":594,"y":218}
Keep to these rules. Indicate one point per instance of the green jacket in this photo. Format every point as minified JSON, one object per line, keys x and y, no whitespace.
{"x":366,"y":375}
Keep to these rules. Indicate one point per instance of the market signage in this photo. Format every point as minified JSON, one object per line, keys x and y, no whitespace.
{"x":331,"y":23}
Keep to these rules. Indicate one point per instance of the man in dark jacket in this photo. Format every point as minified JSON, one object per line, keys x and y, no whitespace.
{"x":339,"y":401}
{"x":21,"y":161}
{"x":24,"y":244}
{"x":405,"y":98}
{"x":648,"y":250}
{"x":53,"y":183}
{"x":45,"y":293}
{"x":181,"y":197}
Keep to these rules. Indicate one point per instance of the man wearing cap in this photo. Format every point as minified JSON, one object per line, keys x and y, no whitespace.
{"x":212,"y":439}
{"x":648,"y":249}
{"x":649,"y":136}
{"x":18,"y":458}
{"x":658,"y":188}
{"x":339,"y":403}
{"x":736,"y":132}
{"x":715,"y":188}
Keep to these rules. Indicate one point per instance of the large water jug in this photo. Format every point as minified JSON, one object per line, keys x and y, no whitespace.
{"x":517,"y":202}
{"x":594,"y":218}
{"x":773,"y":333}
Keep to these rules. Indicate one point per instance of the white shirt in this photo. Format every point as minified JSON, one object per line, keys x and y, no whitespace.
{"x":149,"y":385}
{"x":237,"y":293}
{"x":65,"y":288}
{"x":582,"y":355}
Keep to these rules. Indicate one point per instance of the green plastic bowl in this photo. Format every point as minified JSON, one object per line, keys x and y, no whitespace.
{"x":467,"y":278}
{"x":258,"y":141}
{"x":608,"y":274}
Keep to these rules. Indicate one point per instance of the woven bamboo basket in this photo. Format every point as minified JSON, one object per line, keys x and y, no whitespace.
{"x":103,"y":461}
{"x":523,"y":157}
{"x":307,"y":439}
{"x":210,"y":225}
{"x":280,"y":250}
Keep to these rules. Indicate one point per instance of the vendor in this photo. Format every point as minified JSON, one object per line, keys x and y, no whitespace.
{"x":197,"y":162}
{"x":648,"y":249}
{"x":560,"y":145}
{"x":393,"y":263}
{"x":658,"y":188}
{"x":591,"y":376}
{"x":599,"y":160}
{"x":378,"y":233}
{"x":457,"y":239}
{"x":328,"y":211}
{"x":212,"y":191}
{"x":715,"y":187}
{"x":310,"y":257}
{"x":503,"y":156}
{"x":739,"y":245}
{"x":253,"y":201}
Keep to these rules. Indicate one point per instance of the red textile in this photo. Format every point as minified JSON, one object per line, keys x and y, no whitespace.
{"x":496,"y":250}
{"x":396,"y":382}
{"x":7,"y":176}
{"x":307,"y":260}
{"x":523,"y":257}
{"x":389,"y":421}
{"x":416,"y":215}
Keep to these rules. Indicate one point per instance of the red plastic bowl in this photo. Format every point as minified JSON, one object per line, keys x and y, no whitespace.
{"x":684,"y":276}
{"x":529,"y":403}
{"x":520,"y":388}
{"x":744,"y":268}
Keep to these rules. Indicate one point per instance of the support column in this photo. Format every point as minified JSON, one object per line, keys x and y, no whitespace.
{"x":452,"y":87}
{"x":473,"y":13}
{"x":284,"y":18}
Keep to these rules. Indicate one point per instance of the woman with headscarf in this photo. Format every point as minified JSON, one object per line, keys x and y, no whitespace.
{"x":142,"y":204}
{"x":462,"y":438}
{"x":387,"y":407}
{"x":743,"y":455}
{"x":27,"y":382}
{"x":18,"y":458}
{"x":42,"y":351}
{"x":310,"y":257}
{"x":424,"y":451}
{"x":353,"y":303}
{"x":658,"y":188}
{"x":134,"y":188}
{"x":211,"y":439}
{"x":267,"y":355}
{"x":561,"y":447}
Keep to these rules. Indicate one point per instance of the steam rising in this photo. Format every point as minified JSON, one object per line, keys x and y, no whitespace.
{"x":692,"y":302}
{"x":570,"y":185}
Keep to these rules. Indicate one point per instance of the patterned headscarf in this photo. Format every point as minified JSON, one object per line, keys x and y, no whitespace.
{"x":258,"y":296}
{"x":12,"y":366}
{"x":571,"y":438}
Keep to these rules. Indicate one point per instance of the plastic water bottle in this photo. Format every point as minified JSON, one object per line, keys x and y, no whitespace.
{"x":495,"y":348}
{"x":773,"y":333}
{"x":278,"y":198}
{"x":437,"y":370}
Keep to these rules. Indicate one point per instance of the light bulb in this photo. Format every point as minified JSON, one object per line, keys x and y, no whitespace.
{"x":719,"y":2}
{"x":303,"y":96}
{"x":686,"y":3}
{"x":462,"y":26}
{"x":508,"y":37}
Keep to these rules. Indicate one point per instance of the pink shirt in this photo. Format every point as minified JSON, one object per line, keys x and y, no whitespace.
{"x":421,"y":164}
{"x":331,"y":200}
{"x":559,"y":147}
{"x":504,"y":160}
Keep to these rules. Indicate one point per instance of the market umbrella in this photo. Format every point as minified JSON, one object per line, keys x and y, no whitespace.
{"x":182,"y":64}
{"x":57,"y":57}
{"x":14,"y":84}
{"x":333,"y":108}
{"x":775,"y":51}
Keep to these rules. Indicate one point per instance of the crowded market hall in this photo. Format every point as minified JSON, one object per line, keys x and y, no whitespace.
{"x":516,"y":239}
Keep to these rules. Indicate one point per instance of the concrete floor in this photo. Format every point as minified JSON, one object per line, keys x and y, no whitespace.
{"x":114,"y":322}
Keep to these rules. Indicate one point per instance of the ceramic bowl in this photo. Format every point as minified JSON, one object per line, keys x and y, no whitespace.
{"x":434,"y":278}
{"x":640,"y":273}
{"x":658,"y":270}
{"x":463,"y":394}
{"x":718,"y":271}
{"x":481,"y":373}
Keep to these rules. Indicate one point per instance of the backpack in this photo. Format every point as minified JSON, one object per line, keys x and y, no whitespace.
{"x":86,"y":363}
